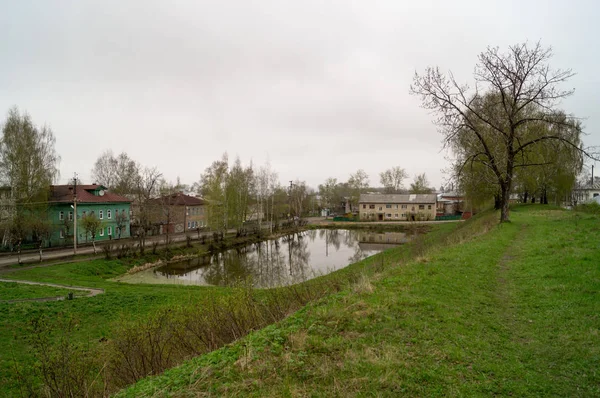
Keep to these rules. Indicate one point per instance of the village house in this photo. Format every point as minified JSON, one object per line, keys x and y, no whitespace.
{"x":111,"y":209}
{"x":396,"y":207}
{"x":587,"y":194}
{"x":177,"y":212}
{"x":449,"y":203}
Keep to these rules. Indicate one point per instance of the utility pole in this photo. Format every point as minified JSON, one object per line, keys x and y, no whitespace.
{"x":591,"y":186}
{"x":75,"y":214}
{"x":290,"y":200}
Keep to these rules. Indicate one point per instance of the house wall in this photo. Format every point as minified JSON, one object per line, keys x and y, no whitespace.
{"x":397,"y":211}
{"x":195,"y":217}
{"x":109,"y":220}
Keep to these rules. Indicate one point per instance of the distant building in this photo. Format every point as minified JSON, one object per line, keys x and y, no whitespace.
{"x":177,"y":213}
{"x":396,"y":207}
{"x":450,"y":202}
{"x":587,"y":194}
{"x":111,"y":209}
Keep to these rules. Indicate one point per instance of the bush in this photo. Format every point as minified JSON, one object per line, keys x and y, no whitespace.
{"x":107,"y":249}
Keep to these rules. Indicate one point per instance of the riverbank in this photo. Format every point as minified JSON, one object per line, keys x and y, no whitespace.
{"x":89,"y":324}
{"x":504,"y":310}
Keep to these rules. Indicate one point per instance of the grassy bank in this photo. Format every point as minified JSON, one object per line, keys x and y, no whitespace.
{"x":90,"y":327}
{"x":17,"y":291}
{"x":510,"y":312}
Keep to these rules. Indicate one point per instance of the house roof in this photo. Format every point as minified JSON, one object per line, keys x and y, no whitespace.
{"x":179,"y":199}
{"x":397,"y":198}
{"x":64,"y":194}
{"x":593,"y":187}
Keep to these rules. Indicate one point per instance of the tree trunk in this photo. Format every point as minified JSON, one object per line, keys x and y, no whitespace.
{"x":19,"y":253}
{"x":94,"y":244}
{"x":525,"y":197}
{"x":41,"y":255}
{"x":497,"y":202}
{"x":505,"y":202}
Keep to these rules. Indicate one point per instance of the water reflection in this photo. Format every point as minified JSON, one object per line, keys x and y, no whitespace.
{"x":290,"y":259}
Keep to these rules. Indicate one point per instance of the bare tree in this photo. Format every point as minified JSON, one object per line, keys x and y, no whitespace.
{"x":146,"y":189}
{"x":358,"y":183}
{"x":392,"y":179}
{"x":512,"y":91}
{"x":119,"y":173}
{"x":91,"y":226}
{"x":420,"y":185}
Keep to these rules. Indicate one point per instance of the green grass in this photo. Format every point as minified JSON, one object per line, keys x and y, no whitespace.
{"x":510,"y":312}
{"x":18,"y":291}
{"x":97,"y":317}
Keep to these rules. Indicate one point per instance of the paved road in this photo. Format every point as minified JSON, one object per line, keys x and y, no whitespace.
{"x":33,"y":256}
{"x":91,"y":291}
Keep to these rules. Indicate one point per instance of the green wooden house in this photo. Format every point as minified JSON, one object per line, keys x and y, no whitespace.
{"x":111,"y":209}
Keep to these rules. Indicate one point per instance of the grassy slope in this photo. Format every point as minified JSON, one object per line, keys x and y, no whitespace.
{"x":95,"y":315}
{"x":17,"y":291}
{"x":512,"y":312}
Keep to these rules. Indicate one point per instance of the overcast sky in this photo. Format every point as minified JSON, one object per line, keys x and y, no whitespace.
{"x":320,"y":88}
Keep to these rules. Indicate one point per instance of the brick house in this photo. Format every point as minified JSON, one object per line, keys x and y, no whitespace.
{"x":177,"y":213}
{"x":396,"y":207}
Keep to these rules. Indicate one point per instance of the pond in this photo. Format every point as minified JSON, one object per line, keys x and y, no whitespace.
{"x":284,"y":261}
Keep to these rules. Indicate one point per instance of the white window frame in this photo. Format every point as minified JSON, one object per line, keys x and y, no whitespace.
{"x":109,"y":230}
{"x":101,"y":230}
{"x":109,"y":214}
{"x":61,"y":215}
{"x":100,"y":214}
{"x":62,"y":234}
{"x":70,"y":216}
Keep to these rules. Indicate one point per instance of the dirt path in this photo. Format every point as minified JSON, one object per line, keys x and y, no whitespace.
{"x":91,"y":291}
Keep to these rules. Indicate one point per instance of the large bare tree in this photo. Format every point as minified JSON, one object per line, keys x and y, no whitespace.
{"x":513,"y":92}
{"x":392,"y":179}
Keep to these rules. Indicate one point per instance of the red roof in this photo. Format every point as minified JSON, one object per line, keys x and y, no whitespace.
{"x":179,"y":199}
{"x":64,"y":194}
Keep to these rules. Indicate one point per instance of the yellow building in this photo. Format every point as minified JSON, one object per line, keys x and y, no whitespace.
{"x":395,"y":207}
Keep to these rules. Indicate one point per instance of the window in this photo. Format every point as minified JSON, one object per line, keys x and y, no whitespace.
{"x":371,"y":206}
{"x":404,"y":206}
{"x":62,"y":234}
{"x":413,"y":208}
{"x":83,"y":213}
{"x":428,"y":207}
{"x":189,"y":225}
{"x":396,"y":206}
{"x":364,"y":206}
{"x":388,"y":206}
{"x":70,"y":216}
{"x":403,"y":215}
{"x":101,"y":231}
{"x":380,"y":208}
{"x":396,"y":215}
{"x":108,"y":214}
{"x":101,"y":214}
{"x":596,"y":194}
{"x":388,"y":215}
{"x":61,"y":215}
{"x":109,"y":231}
{"x":421,"y":207}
